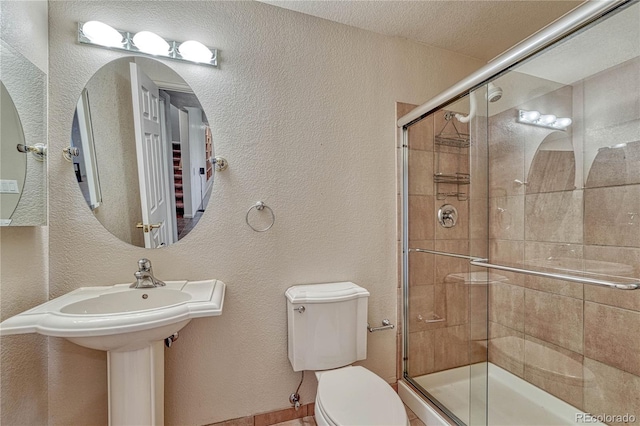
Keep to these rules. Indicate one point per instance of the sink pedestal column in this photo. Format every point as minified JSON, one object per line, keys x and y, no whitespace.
{"x":136,"y":386}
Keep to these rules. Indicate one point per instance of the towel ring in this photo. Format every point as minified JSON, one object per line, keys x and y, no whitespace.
{"x":259,"y":206}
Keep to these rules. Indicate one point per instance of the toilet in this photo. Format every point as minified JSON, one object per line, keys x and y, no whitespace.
{"x":327,"y":330}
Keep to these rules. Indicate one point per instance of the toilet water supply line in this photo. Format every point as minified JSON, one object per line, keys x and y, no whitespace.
{"x":294,"y":398}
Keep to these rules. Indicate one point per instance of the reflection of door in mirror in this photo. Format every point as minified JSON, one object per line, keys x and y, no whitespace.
{"x":151,"y":152}
{"x":85,"y":164}
{"x":153,"y":166}
{"x":14,"y":163}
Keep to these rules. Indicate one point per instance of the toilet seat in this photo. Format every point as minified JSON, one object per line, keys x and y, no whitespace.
{"x":353,"y":396}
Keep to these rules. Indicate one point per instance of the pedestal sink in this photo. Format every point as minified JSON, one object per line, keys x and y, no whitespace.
{"x":131,"y":325}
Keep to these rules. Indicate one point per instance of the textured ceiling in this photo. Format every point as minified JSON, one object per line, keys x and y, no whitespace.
{"x":480,"y":29}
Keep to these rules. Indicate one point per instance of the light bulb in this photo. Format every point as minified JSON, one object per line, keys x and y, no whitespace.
{"x":563,"y":123}
{"x":530,"y":116}
{"x":102,"y":34}
{"x":195,"y":51}
{"x":151,"y":43}
{"x":547,"y":119}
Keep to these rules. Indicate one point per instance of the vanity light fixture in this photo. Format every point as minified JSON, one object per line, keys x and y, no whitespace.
{"x":195,"y":51}
{"x":548,"y":121}
{"x":102,"y":34}
{"x":151,"y":43}
{"x":145,"y":42}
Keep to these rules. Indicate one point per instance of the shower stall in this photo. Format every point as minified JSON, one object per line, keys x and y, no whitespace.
{"x":521,"y":231}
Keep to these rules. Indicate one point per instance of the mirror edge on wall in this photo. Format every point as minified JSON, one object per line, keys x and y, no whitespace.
{"x":26,"y":82}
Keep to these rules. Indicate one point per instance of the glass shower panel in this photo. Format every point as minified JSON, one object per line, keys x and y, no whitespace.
{"x":564,"y":192}
{"x":524,"y":312}
{"x":479,"y":280}
{"x":446,"y":330}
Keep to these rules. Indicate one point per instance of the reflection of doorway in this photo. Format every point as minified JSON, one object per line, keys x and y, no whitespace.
{"x":191,"y":160}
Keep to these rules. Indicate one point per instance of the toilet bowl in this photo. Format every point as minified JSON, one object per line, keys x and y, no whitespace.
{"x":354,"y":396}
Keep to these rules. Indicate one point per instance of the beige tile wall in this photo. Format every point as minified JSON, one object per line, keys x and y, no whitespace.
{"x":587,"y":334}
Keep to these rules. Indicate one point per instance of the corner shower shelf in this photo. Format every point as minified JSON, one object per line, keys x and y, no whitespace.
{"x":458,"y":179}
{"x":450,"y":138}
{"x":456,"y":140}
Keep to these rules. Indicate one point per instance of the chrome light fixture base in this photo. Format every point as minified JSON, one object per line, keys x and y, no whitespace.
{"x":548,"y":121}
{"x":127,"y":45}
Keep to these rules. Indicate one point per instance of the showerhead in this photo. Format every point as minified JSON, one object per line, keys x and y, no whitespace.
{"x":494,"y":93}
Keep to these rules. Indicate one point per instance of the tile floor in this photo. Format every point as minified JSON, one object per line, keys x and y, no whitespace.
{"x":310,"y":421}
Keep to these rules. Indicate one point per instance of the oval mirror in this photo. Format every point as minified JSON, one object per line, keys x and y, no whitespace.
{"x":554,"y":165}
{"x":145,"y":163}
{"x":13,"y":165}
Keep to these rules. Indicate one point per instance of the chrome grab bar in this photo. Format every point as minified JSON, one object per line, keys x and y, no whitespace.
{"x":386,"y":324}
{"x":582,"y":280}
{"x":484,"y":263}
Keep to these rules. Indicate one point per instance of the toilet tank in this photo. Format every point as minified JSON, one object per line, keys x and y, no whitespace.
{"x":327,"y":325}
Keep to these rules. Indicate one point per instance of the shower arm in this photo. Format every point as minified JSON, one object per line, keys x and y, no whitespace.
{"x":472,"y":110}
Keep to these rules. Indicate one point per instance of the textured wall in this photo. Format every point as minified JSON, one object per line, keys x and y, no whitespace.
{"x":23,"y":256}
{"x":304,"y":111}
{"x":23,"y":376}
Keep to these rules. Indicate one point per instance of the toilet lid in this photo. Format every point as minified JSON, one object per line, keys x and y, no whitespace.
{"x":356,"y":396}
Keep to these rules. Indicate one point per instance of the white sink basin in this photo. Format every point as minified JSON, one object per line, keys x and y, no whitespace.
{"x":119,"y":318}
{"x":127,"y":301}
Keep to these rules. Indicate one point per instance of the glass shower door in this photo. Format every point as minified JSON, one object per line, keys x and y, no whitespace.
{"x":526,"y":311}
{"x":446,"y":314}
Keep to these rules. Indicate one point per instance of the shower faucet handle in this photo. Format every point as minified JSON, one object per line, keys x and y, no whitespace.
{"x":448,"y":216}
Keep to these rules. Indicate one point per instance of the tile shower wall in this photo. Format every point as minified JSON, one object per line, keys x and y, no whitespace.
{"x":538,"y":325}
{"x":440,"y":332}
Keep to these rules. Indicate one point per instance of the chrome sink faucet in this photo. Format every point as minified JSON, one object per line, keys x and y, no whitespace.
{"x":144,"y":276}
